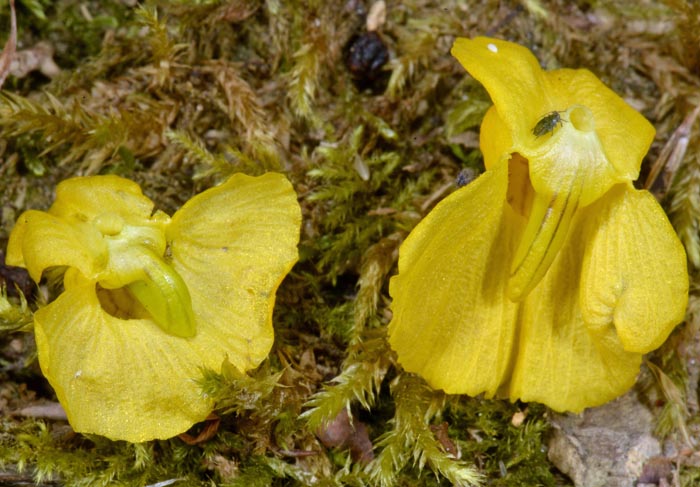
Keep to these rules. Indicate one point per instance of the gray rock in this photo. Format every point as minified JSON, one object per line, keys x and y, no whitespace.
{"x":605,"y":446}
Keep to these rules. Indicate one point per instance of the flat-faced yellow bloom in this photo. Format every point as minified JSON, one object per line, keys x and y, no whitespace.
{"x":149,"y":299}
{"x":549,"y":276}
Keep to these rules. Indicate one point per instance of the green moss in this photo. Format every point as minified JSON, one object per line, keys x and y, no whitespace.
{"x":689,"y":476}
{"x":14,"y":316}
{"x":48,"y":453}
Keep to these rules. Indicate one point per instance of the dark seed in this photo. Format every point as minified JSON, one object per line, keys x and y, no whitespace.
{"x":365,"y":56}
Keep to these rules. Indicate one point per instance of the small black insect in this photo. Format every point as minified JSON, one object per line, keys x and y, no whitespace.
{"x":548,"y":123}
{"x":464,"y":177}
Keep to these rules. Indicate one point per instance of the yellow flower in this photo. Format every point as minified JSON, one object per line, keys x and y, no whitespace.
{"x":150,"y":299}
{"x":549,"y":276}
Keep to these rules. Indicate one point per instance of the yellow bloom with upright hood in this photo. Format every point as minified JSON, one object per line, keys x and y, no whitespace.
{"x":549,"y":276}
{"x":149,"y":299}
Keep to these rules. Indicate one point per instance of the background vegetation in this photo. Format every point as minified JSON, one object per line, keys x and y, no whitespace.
{"x":372,"y":128}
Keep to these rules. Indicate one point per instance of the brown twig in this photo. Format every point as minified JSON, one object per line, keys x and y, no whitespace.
{"x":671,"y":155}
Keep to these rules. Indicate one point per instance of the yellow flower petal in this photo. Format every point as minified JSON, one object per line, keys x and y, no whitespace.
{"x":634,"y":275}
{"x":624,"y":133}
{"x":495,"y":140}
{"x":40,"y":240}
{"x":452,"y":323}
{"x":85,"y":198}
{"x":233,"y":245}
{"x":522,"y":94}
{"x":77,"y":229}
{"x":124,"y":379}
{"x":513,"y":78}
{"x":561,"y":361}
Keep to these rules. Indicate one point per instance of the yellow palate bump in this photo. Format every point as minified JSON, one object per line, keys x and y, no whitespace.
{"x":581,"y":118}
{"x":109,"y":223}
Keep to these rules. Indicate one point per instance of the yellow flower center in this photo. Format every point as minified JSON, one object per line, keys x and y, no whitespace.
{"x":121,"y":304}
{"x":564,"y":168}
{"x":139,"y":282}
